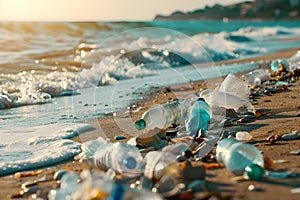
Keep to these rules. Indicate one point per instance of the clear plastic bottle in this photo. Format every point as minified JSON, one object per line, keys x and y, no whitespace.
{"x":199,"y":117}
{"x":121,"y":157}
{"x":276,"y":63}
{"x":294,"y":61}
{"x":256,"y":77}
{"x":156,"y":162}
{"x":93,"y":185}
{"x":164,"y":115}
{"x":236,"y":156}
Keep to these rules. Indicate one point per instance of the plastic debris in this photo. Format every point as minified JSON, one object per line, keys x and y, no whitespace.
{"x":282,"y":83}
{"x":121,"y":157}
{"x":279,"y":175}
{"x":164,"y":116}
{"x":251,"y":187}
{"x":119,"y":137}
{"x":254,"y":172}
{"x":58,"y":174}
{"x":236,"y":156}
{"x":295,"y":190}
{"x":168,"y":186}
{"x":274,"y":138}
{"x":280,"y":161}
{"x":291,"y":136}
{"x":276,"y":64}
{"x":151,"y":139}
{"x":156,"y":162}
{"x":221,"y":99}
{"x":26,"y":174}
{"x":243,"y":136}
{"x":92,"y":185}
{"x":256,"y":77}
{"x":166,"y":168}
{"x":197,"y":185}
{"x":199,"y":117}
{"x":235,"y":86}
{"x":294,"y":61}
{"x":295,"y":152}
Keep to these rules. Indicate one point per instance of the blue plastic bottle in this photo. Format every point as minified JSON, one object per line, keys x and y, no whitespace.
{"x":199,"y":117}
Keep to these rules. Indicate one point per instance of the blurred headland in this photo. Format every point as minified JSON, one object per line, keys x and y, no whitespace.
{"x":248,"y":10}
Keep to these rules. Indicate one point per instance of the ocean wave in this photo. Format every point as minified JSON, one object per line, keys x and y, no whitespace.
{"x":263,"y":32}
{"x":49,"y":66}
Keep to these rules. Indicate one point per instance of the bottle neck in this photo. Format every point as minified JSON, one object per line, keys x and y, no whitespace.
{"x":226,"y":143}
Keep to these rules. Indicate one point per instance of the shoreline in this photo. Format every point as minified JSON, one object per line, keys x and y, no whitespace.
{"x":282,"y":120}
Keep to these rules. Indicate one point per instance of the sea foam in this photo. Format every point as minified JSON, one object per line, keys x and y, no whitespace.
{"x":27,"y":148}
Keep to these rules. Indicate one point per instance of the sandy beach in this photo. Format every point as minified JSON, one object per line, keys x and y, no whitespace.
{"x":283,"y":118}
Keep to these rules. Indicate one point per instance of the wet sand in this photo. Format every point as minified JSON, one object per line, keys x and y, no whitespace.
{"x":284,"y":118}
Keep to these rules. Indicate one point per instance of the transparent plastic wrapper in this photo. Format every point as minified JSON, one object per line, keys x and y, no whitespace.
{"x":216,"y":98}
{"x":232,"y":93}
{"x":199,"y":117}
{"x":235,"y":86}
{"x":256,"y":77}
{"x":236,"y":156}
{"x":294,"y":61}
{"x":121,"y":157}
{"x":164,"y":115}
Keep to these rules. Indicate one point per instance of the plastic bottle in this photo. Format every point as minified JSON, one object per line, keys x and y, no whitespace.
{"x":164,"y":116}
{"x":294,"y":61}
{"x":276,"y":63}
{"x":121,"y":157}
{"x":156,"y":162}
{"x":93,"y":185}
{"x":256,"y":77}
{"x":199,"y":117}
{"x":236,"y":156}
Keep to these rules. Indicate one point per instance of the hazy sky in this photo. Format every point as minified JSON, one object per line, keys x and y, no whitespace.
{"x":54,"y":10}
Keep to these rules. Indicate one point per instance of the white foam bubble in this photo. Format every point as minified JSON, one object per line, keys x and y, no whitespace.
{"x":26,"y":148}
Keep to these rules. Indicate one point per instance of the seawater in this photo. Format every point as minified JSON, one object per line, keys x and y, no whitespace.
{"x":55,"y":75}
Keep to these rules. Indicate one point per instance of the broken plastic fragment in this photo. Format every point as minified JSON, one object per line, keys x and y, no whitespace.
{"x":243,"y":136}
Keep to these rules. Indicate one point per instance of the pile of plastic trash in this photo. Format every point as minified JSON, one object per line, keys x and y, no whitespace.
{"x":181,"y":133}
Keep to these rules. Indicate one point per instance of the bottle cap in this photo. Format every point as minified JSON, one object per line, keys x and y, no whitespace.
{"x":254,"y":172}
{"x":140,"y":124}
{"x":130,"y":162}
{"x":201,"y":99}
